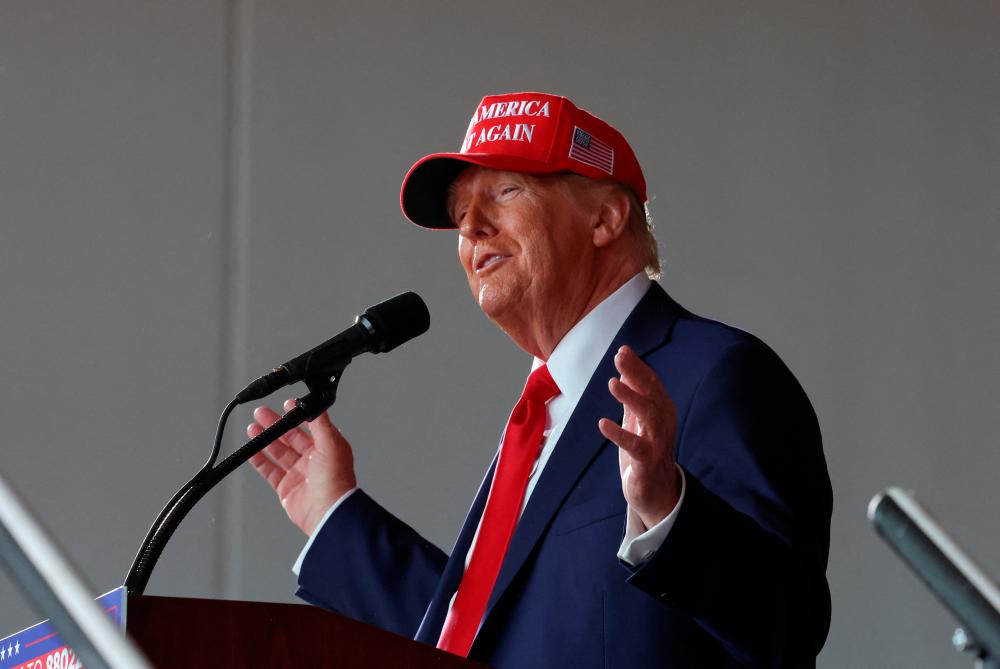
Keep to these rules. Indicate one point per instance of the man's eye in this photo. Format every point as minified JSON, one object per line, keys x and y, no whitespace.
{"x":508,"y":190}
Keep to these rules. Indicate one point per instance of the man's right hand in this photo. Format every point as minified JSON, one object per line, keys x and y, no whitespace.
{"x":308,"y":470}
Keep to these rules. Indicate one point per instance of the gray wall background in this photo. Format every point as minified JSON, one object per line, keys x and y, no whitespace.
{"x":192,"y":191}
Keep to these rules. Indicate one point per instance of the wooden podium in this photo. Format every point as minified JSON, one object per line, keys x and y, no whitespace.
{"x":177,"y":632}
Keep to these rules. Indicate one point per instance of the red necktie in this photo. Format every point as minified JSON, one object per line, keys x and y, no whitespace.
{"x":522,"y":441}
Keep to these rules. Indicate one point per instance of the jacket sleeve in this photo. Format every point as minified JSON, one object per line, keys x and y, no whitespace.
{"x":367,"y":564}
{"x":746,"y":557}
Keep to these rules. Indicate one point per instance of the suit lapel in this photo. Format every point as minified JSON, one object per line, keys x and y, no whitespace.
{"x":646,"y":328}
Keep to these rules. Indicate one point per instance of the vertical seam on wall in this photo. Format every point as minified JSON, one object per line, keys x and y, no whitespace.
{"x":228,"y":576}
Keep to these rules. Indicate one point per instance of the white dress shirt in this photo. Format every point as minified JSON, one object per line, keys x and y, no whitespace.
{"x":572,"y":363}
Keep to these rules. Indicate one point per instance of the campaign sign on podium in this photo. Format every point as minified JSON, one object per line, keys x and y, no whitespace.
{"x":39,"y":646}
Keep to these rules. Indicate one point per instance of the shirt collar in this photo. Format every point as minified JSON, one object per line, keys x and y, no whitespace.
{"x":578,"y":353}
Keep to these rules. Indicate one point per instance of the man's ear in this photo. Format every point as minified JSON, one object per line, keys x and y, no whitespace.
{"x":612,"y":217}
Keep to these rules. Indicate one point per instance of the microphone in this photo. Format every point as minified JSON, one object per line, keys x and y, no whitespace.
{"x":379,"y":329}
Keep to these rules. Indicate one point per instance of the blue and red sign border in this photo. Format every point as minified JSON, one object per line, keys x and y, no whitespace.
{"x":39,"y":640}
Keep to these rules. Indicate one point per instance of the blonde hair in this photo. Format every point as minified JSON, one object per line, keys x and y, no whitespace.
{"x":640,"y":223}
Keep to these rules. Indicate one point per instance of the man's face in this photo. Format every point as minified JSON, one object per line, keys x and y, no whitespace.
{"x":525,"y":243}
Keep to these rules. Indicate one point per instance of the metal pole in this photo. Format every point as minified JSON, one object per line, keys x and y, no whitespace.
{"x":52,"y":584}
{"x":951,"y":573}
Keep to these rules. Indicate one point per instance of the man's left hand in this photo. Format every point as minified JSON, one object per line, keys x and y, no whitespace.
{"x":645,"y":439}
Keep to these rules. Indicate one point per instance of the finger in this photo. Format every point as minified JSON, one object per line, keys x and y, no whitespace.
{"x":328,"y":435}
{"x":254,"y":430}
{"x":634,"y":372}
{"x":627,"y":441}
{"x":268,"y":470}
{"x":322,"y":419}
{"x":640,"y":405}
{"x":274,"y":455}
{"x":297,"y":439}
{"x":282,"y":454}
{"x":265,"y":416}
{"x":323,"y":422}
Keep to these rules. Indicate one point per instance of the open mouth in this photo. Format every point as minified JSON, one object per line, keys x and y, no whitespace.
{"x":489,"y":260}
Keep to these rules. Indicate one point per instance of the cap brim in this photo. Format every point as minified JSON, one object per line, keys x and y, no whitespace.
{"x":424,"y":194}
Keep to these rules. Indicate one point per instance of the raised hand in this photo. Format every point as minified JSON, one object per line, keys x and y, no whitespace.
{"x":309,"y":471}
{"x":645,"y":439}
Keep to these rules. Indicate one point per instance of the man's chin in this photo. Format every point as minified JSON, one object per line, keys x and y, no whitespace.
{"x":493,"y":309}
{"x":495,"y":302}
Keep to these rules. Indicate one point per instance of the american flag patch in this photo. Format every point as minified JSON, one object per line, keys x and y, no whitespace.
{"x":591,"y":151}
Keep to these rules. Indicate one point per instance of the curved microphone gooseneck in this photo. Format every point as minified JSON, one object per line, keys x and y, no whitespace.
{"x":378,"y":329}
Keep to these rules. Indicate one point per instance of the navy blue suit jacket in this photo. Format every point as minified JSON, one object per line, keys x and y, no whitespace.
{"x":739,"y":582}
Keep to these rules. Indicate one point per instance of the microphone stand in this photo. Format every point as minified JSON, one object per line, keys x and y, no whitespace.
{"x":322,"y":394}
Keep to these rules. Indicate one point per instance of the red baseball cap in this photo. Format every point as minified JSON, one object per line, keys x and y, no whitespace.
{"x":521,"y":132}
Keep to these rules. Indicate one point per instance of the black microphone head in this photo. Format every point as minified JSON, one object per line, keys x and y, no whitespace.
{"x":396,"y":321}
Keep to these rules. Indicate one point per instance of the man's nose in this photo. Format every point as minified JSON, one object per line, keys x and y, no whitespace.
{"x":477,"y":222}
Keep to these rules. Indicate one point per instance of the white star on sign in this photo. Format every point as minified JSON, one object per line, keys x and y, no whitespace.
{"x":17,"y":647}
{"x":3,"y":653}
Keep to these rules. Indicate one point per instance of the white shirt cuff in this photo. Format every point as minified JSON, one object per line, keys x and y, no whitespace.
{"x":297,"y":567}
{"x":640,"y":543}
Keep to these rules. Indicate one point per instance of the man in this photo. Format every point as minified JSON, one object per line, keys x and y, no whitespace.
{"x":659,"y":498}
